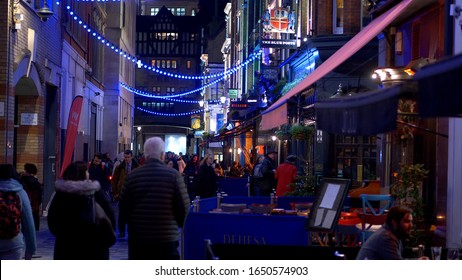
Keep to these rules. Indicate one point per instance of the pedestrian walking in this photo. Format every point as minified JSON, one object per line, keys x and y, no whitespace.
{"x":17,"y":230}
{"x":268,"y":168}
{"x":206,"y":183}
{"x":80,"y":217}
{"x":34,"y":190}
{"x":118,"y":182}
{"x":286,"y":174}
{"x":154,"y":202}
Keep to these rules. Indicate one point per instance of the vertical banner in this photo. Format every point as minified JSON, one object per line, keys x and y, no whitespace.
{"x":220,"y":121}
{"x":71,"y":133}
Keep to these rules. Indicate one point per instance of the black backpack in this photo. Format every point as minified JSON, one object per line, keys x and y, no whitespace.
{"x":10,"y":214}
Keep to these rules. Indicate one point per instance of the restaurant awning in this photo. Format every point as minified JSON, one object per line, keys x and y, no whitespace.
{"x":362,"y":114}
{"x":340,"y":56}
{"x":274,"y":118}
{"x":440,"y":88}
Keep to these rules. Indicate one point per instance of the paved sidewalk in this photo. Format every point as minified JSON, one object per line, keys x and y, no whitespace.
{"x":46,"y":242}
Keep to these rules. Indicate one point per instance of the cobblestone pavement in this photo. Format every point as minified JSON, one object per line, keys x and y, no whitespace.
{"x":46,"y":242}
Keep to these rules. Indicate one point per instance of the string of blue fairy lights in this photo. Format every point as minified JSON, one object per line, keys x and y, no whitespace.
{"x":170,"y":115}
{"x":167,"y":98}
{"x":132,"y":58}
{"x":140,"y":64}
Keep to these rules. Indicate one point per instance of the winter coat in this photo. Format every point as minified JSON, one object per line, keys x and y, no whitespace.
{"x":206,"y":183}
{"x":68,"y":221}
{"x":154,"y":202}
{"x":286,"y":174}
{"x":120,"y":176}
{"x":27,"y":232}
{"x":33,"y":189}
{"x":101,"y":174}
{"x":268,"y":182}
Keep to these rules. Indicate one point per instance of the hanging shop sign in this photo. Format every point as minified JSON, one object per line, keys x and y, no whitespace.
{"x":280,"y":44}
{"x":238,"y":105}
{"x":232,"y":93}
{"x":280,"y":20}
{"x":195,"y":122}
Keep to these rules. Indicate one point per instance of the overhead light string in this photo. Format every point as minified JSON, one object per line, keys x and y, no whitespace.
{"x":140,"y":64}
{"x":171,"y":115}
{"x":168,"y":98}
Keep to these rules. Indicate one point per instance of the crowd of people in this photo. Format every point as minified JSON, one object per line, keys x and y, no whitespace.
{"x":152,"y":201}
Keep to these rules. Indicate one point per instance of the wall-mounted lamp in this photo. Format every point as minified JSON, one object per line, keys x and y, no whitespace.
{"x":201,"y":103}
{"x":223,"y":99}
{"x":138,"y":128}
{"x":44,"y":13}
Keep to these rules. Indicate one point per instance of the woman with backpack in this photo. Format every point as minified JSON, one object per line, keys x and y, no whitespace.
{"x":257,"y":176}
{"x":17,"y":228}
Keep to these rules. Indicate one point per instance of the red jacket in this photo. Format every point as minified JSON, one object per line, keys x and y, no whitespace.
{"x":285,"y":174}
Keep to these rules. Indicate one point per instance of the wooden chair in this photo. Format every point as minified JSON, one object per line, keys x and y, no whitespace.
{"x":347,"y":233}
{"x":374,"y":212}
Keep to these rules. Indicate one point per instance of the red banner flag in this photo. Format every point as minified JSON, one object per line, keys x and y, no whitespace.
{"x":71,"y":133}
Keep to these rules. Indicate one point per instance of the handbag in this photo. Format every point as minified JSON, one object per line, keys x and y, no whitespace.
{"x":105,"y":234}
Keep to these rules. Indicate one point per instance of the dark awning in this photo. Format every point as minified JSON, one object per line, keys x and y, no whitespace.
{"x":363,"y":114}
{"x":440,"y":88}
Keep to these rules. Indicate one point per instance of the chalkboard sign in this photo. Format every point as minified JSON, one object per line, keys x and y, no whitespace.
{"x":326,"y":209}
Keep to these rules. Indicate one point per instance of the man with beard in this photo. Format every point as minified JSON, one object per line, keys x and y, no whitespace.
{"x":387,"y":242}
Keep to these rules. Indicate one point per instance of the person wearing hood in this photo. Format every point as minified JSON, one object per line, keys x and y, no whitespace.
{"x":286,"y":175}
{"x":69,"y":219}
{"x":13,"y":248}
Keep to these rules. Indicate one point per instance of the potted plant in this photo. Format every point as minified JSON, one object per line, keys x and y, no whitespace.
{"x":206,"y":136}
{"x":407,"y":191}
{"x":283,"y":133}
{"x":301,"y":132}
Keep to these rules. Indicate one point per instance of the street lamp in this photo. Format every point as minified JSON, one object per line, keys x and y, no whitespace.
{"x":137,"y":145}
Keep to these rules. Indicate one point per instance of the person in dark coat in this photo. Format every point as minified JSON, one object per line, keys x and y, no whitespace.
{"x":70,"y":221}
{"x":100,"y":172}
{"x":387,"y":242}
{"x":118,"y":181}
{"x":34,"y":190}
{"x":268,"y":168}
{"x":206,"y":184}
{"x":154,"y":202}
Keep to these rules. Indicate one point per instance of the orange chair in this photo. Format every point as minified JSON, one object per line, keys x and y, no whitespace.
{"x":347,"y":232}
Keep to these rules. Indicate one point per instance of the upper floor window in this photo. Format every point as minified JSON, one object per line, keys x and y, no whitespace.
{"x":162,"y":63}
{"x":365,"y":16}
{"x":338,"y":16}
{"x":180,"y":11}
{"x":154,"y":11}
{"x":166,"y":35}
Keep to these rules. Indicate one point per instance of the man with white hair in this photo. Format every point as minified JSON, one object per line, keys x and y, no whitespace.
{"x":154,"y":202}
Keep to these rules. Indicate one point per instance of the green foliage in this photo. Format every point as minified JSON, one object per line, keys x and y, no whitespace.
{"x":407,"y":192}
{"x":283,"y":133}
{"x":301,"y":132}
{"x":305,"y":184}
{"x":206,"y":136}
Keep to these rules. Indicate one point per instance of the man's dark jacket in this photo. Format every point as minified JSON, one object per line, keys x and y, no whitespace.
{"x":154,"y":202}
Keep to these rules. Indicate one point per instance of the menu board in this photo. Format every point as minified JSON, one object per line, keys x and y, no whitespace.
{"x":326,"y":209}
